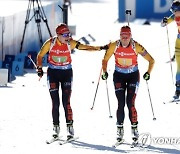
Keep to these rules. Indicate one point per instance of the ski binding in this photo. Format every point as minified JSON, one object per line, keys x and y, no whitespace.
{"x":69,"y":140}
{"x":118,"y":143}
{"x":53,"y":139}
{"x":134,"y":144}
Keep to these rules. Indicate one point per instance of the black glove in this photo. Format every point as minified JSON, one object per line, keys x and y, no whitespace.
{"x":40,"y":71}
{"x":165,"y":20}
{"x":105,"y":47}
{"x":146,"y":76}
{"x":104,"y":76}
{"x":173,"y":58}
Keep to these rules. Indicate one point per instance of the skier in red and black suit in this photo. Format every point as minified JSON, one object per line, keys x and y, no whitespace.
{"x":126,"y":77}
{"x":59,"y":73}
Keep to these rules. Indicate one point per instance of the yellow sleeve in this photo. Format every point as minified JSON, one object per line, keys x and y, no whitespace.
{"x":142,"y":51}
{"x":80,"y":46}
{"x":170,"y":19}
{"x":44,"y":49}
{"x":108,"y":54}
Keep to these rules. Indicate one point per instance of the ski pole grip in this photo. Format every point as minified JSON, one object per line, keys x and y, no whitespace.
{"x":128,"y":12}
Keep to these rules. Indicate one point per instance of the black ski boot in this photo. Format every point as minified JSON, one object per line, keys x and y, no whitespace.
{"x":70,"y":130}
{"x":134,"y":131}
{"x":56,"y":131}
{"x":120,"y":133}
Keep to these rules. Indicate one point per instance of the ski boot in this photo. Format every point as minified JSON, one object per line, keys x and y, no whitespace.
{"x":177,"y":94}
{"x":134,"y":131}
{"x":120,"y":133}
{"x":70,"y":131}
{"x":56,"y":130}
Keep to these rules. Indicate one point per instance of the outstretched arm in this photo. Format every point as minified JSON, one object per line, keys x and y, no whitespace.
{"x":80,"y":46}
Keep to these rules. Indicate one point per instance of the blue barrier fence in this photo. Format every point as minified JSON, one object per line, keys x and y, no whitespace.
{"x":17,"y":63}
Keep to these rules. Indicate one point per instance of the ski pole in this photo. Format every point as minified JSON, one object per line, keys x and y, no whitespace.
{"x":128,"y":12}
{"x":150,"y":101}
{"x":29,"y":56}
{"x":169,"y":53}
{"x":96,"y":89}
{"x":110,"y":116}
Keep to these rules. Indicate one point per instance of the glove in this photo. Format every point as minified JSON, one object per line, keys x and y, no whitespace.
{"x":146,"y":76}
{"x":104,"y":76}
{"x":164,"y":21}
{"x":40,"y":71}
{"x":105,"y":47}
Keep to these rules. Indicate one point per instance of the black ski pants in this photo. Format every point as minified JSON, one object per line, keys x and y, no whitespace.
{"x":126,"y":86}
{"x":63,"y":78}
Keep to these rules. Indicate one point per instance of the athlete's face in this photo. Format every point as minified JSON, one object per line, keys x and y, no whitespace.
{"x":125,"y":39}
{"x":64,"y":38}
{"x":177,"y":13}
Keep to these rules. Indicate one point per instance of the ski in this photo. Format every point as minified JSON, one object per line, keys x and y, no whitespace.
{"x":177,"y":101}
{"x":53,"y":139}
{"x":68,"y":140}
{"x":170,"y":61}
{"x":118,"y":143}
{"x":134,"y":144}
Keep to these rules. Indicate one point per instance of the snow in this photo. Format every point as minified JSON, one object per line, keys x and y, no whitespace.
{"x":25,"y":106}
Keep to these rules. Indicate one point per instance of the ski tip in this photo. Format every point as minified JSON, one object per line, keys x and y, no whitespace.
{"x":61,"y":143}
{"x":113,"y":146}
{"x":49,"y":142}
{"x":118,"y":143}
{"x":175,"y":101}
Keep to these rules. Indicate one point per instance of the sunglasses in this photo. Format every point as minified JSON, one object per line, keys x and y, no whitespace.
{"x":125,"y":35}
{"x":66,"y":35}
